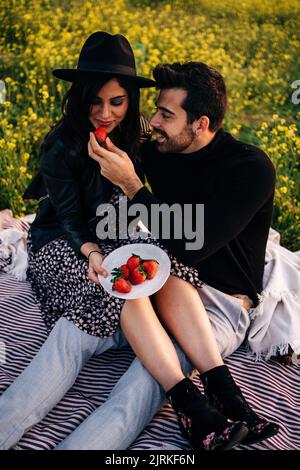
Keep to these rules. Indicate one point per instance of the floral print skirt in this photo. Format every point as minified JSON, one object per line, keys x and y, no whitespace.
{"x":62,"y":288}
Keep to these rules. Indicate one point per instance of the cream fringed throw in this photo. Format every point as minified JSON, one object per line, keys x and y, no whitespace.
{"x":276,"y":320}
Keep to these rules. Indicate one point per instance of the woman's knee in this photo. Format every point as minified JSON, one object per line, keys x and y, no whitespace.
{"x":67,"y":336}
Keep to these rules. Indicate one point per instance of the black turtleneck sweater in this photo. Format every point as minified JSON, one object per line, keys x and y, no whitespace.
{"x":235,"y":182}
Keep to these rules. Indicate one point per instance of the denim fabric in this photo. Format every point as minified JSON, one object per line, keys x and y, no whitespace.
{"x":133,"y":401}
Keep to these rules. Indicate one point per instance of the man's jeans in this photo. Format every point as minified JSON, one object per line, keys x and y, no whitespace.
{"x":130,"y":406}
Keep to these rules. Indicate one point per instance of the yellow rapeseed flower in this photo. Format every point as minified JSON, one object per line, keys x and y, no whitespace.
{"x":11,"y":145}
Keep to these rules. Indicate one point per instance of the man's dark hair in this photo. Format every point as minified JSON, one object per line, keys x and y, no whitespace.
{"x":206,"y":90}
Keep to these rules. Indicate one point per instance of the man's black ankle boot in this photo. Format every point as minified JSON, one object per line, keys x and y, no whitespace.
{"x":224,"y":394}
{"x":200,"y":423}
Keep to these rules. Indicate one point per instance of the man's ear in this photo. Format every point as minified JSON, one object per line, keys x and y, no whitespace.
{"x":201,"y":125}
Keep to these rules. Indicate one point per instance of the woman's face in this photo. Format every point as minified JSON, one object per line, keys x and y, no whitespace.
{"x":109,"y":106}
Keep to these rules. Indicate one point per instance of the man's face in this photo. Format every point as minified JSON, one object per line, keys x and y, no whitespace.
{"x":173,"y":134}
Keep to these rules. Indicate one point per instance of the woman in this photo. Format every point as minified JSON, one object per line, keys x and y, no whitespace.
{"x":70,"y":187}
{"x":65,"y":256}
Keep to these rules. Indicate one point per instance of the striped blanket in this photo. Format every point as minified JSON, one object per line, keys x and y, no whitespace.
{"x":272,"y":388}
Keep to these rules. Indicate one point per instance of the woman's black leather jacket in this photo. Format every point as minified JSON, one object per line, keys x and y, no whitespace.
{"x":69,"y":194}
{"x":69,"y":190}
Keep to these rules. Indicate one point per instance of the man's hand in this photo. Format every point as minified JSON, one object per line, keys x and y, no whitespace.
{"x":115,"y":165}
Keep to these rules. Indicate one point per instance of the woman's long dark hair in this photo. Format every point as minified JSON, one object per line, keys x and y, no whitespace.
{"x":74,"y":126}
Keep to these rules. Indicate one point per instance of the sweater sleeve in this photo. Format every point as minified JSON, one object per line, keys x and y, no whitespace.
{"x":239,"y":196}
{"x":64,"y":194}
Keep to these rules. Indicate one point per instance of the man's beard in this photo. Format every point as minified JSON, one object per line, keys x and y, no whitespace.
{"x":176,"y":144}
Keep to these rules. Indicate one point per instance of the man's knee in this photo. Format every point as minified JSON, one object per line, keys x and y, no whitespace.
{"x":228,"y":338}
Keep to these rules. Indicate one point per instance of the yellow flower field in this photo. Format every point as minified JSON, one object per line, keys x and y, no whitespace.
{"x":254,"y":44}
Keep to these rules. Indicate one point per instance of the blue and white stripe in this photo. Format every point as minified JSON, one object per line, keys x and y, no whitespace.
{"x":272,"y":388}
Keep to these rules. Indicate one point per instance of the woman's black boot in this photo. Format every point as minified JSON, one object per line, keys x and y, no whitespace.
{"x":200,"y":423}
{"x":224,"y":394}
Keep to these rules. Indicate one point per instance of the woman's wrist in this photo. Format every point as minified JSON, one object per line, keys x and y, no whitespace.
{"x":91,"y":252}
{"x":88,"y":247}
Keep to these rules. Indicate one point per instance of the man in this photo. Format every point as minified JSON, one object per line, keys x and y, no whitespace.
{"x":192,"y":161}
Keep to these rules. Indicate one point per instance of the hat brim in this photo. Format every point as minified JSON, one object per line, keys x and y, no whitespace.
{"x":70,"y":75}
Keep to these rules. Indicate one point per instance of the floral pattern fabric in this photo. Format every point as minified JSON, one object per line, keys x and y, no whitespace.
{"x":62,"y":288}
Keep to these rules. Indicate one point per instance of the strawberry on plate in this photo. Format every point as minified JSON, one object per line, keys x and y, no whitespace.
{"x":137,"y":276}
{"x":133,"y":262}
{"x":100,"y":134}
{"x":122,"y":271}
{"x":150,"y":266}
{"x":121,"y":285}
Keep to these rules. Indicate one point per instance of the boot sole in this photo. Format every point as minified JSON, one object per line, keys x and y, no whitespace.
{"x":252,"y":440}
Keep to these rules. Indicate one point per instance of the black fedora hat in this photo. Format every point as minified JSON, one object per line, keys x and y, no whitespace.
{"x":105,"y":54}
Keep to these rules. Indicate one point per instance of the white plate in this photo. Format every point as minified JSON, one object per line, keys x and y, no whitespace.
{"x":146,"y":251}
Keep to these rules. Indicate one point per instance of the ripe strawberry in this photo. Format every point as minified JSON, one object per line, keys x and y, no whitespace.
{"x":100,"y":134}
{"x":137,"y":276}
{"x":133,"y":262}
{"x":121,"y":285}
{"x":122,"y":271}
{"x":150,"y":266}
{"x":125,"y":270}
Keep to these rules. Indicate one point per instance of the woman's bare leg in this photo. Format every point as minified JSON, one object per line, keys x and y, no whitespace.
{"x":150,"y":342}
{"x":181,"y":310}
{"x":155,"y":350}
